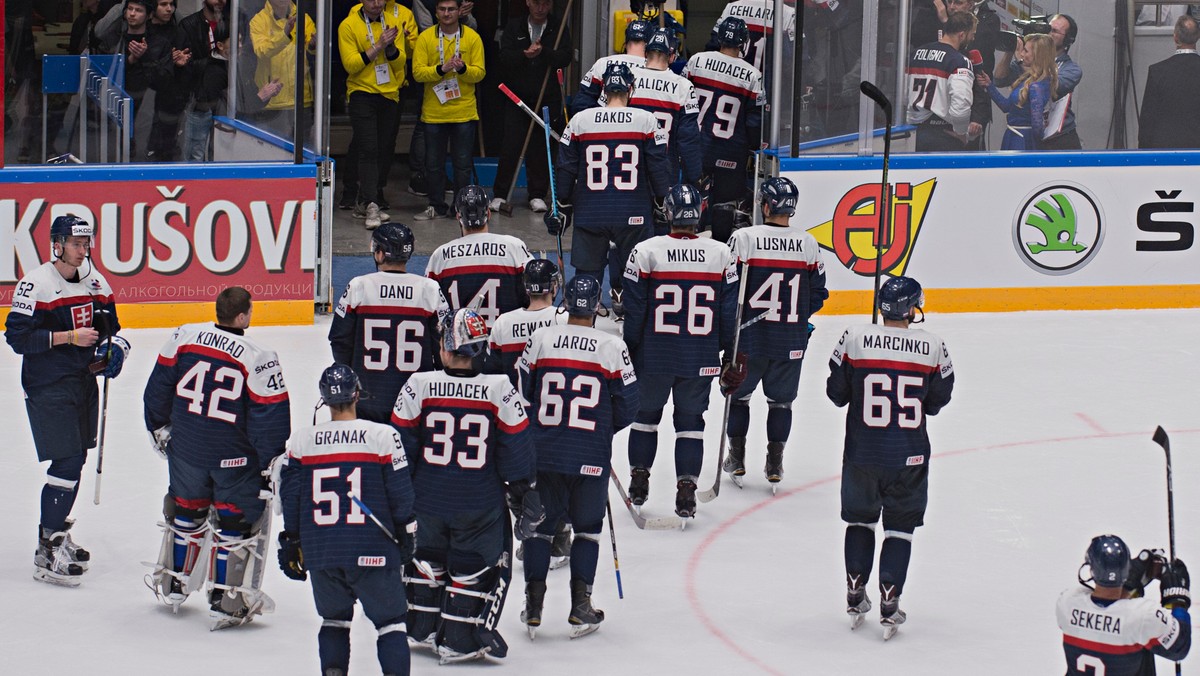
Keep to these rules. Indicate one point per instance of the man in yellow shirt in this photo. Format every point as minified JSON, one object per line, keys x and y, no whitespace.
{"x":373,"y":57}
{"x":448,"y":59}
{"x":273,"y":34}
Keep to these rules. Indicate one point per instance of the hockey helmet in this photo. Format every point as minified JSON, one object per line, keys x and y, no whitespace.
{"x":395,"y":240}
{"x":464,"y":332}
{"x":638,"y":30}
{"x":541,"y":276}
{"x":780,"y":195}
{"x":1108,"y":557}
{"x":581,"y":298}
{"x":472,"y":206}
{"x":898,"y":296}
{"x":684,"y":205}
{"x":617,"y":78}
{"x":660,"y":40}
{"x":71,"y":226}
{"x":339,"y":385}
{"x":732,"y":32}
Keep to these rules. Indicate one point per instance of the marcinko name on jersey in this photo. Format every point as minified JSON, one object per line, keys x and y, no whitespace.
{"x":685,"y":255}
{"x":1095,"y":621}
{"x":724,"y":67}
{"x":221,"y":341}
{"x":458,"y":390}
{"x":897,"y":343}
{"x":474,"y":249}
{"x":402,"y":292}
{"x":614,"y":117}
{"x":778,"y":244}
{"x":330,"y":437}
{"x":566,"y":342}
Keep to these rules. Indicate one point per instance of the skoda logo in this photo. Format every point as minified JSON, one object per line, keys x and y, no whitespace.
{"x":1058,"y":229}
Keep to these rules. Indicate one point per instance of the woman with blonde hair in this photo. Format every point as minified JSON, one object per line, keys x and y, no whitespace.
{"x":1031,"y":94}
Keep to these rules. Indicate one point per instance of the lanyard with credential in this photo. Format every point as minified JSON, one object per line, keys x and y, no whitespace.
{"x":370,"y":33}
{"x":442,"y":48}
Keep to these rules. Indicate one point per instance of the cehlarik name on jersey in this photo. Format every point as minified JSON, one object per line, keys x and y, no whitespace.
{"x":765,"y":12}
{"x":896,"y":343}
{"x":452,"y":251}
{"x":1095,"y":621}
{"x":168,"y":237}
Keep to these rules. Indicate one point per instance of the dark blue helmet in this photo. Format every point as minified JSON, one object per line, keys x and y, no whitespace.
{"x":464,"y":332}
{"x":732,"y":32}
{"x":472,"y":206}
{"x":582,"y":296}
{"x":684,"y":205}
{"x":1108,"y":557}
{"x":898,"y":296}
{"x":541,"y":275}
{"x":660,"y":40}
{"x":638,"y":30}
{"x":339,"y":385}
{"x":618,"y":78}
{"x":70,"y":226}
{"x":395,"y":240}
{"x":780,"y":195}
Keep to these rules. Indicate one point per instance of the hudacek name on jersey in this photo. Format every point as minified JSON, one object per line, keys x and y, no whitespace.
{"x":896,"y":344}
{"x":441,"y":389}
{"x":741,"y":73}
{"x":219,"y":340}
{"x":452,"y":250}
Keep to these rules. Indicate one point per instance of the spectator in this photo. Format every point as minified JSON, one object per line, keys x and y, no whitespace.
{"x":448,"y":58}
{"x":207,"y":73}
{"x":940,"y":82}
{"x":273,"y":36}
{"x":1064,"y":31}
{"x":147,"y":53}
{"x":1168,"y":118}
{"x":928,"y":17}
{"x":425,"y":12}
{"x":83,"y":30}
{"x":1031,"y":94}
{"x":171,"y":94}
{"x":527,"y":56}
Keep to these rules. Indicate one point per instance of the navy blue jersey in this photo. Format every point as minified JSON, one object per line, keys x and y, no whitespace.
{"x":671,"y":99}
{"x":43,"y":302}
{"x":1119,"y":638}
{"x":483,"y":271}
{"x":680,"y":304}
{"x":581,"y":390}
{"x":785,"y":286}
{"x":511,"y":332}
{"x":892,"y":378}
{"x":467,"y":436}
{"x":731,"y":98}
{"x":385,"y":327}
{"x":223,"y":396}
{"x":591,"y":87}
{"x":612,"y":164}
{"x":326,"y":462}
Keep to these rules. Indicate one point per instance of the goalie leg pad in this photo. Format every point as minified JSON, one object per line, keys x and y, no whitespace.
{"x":241,"y":561}
{"x":463,"y":609}
{"x":426,"y":585}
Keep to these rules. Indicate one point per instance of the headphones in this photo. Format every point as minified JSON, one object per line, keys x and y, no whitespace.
{"x":1072,"y":30}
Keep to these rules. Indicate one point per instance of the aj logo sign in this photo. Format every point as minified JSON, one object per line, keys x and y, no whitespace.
{"x":1058,"y":229}
{"x":851,"y":235}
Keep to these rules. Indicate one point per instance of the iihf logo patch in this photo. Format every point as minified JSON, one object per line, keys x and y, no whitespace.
{"x":81,"y":316}
{"x":915,"y":460}
{"x":233,"y":462}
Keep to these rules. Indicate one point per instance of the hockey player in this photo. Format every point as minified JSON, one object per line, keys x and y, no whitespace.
{"x":217,"y":410}
{"x":326,"y":533}
{"x":591,"y":88}
{"x":1109,"y":628}
{"x":63,"y":323}
{"x":480,"y":270}
{"x":892,"y":377}
{"x":941,"y":85}
{"x":759,"y":18}
{"x":681,"y":302}
{"x":785,"y":286}
{"x":513,"y":329}
{"x":385,"y":326}
{"x":581,"y":386}
{"x":612,"y":170}
{"x":469,"y":439}
{"x":731,"y":103}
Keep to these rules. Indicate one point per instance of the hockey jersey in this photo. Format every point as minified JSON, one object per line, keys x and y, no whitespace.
{"x":482,"y":270}
{"x":386,"y":328}
{"x":612,"y":165}
{"x":892,"y":378}
{"x":731,"y":98}
{"x":785,"y":286}
{"x":223,"y":396}
{"x":680,"y":304}
{"x":582,"y":389}
{"x":671,"y":99}
{"x":511,"y":332}
{"x":940,"y":87}
{"x":759,"y":16}
{"x":42,"y":303}
{"x":1119,"y":638}
{"x":326,"y":462}
{"x":591,"y":87}
{"x":467,"y":436}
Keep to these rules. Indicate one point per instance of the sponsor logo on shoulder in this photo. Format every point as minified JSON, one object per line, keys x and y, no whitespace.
{"x":591,"y":470}
{"x":233,"y":462}
{"x":372,"y":561}
{"x":915,"y":460}
{"x":710,"y":371}
{"x":273,"y":364}
{"x":796,"y":354}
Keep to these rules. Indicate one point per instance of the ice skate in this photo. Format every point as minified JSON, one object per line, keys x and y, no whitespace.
{"x":584,"y":618}
{"x":735,"y":462}
{"x":560,"y":548}
{"x":78,"y":555}
{"x":639,"y":487}
{"x":248,"y":607}
{"x":52,"y":563}
{"x":448,"y":655}
{"x":535,"y":594}
{"x":685,"y":498}
{"x":774,"y":467}
{"x":891,"y":617}
{"x":857,"y":606}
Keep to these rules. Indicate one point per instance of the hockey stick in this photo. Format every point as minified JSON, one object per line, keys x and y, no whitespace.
{"x":100,"y":433}
{"x":528,"y":111}
{"x":612,"y":535}
{"x":712,"y":493}
{"x":553,"y":188}
{"x":1160,"y":437}
{"x":885,"y":192}
{"x":656,"y":523}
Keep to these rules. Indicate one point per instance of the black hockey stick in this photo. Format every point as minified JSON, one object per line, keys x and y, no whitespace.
{"x":612,"y":535}
{"x":1160,"y":437}
{"x":885,"y":193}
{"x":656,"y":523}
{"x":712,"y":493}
{"x":102,"y":430}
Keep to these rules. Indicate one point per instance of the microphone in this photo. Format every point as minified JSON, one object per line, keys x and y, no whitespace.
{"x":875,"y":94}
{"x":976,"y":57}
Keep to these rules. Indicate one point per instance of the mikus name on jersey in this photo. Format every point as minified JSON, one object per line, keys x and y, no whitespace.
{"x":389,"y":291}
{"x":458,"y":390}
{"x":575,"y":343}
{"x":475,"y":249}
{"x":896,"y":343}
{"x":330,"y":437}
{"x":685,"y":255}
{"x":1095,"y":621}
{"x":221,"y":341}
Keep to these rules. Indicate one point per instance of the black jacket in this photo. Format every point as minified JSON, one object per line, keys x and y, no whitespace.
{"x":1169,"y":107}
{"x":207,"y":77}
{"x":524,"y":76}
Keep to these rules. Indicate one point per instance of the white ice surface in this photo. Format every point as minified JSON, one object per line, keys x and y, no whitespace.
{"x":1045,"y":444}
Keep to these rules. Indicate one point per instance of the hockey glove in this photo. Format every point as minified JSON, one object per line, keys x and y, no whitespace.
{"x":557,"y":224}
{"x":733,"y":374}
{"x":110,"y":357}
{"x":661,"y":217}
{"x":159,"y":439}
{"x":408,"y":541}
{"x":532,"y":515}
{"x":291,"y":557}
{"x":1145,"y":567}
{"x":1175,"y":585}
